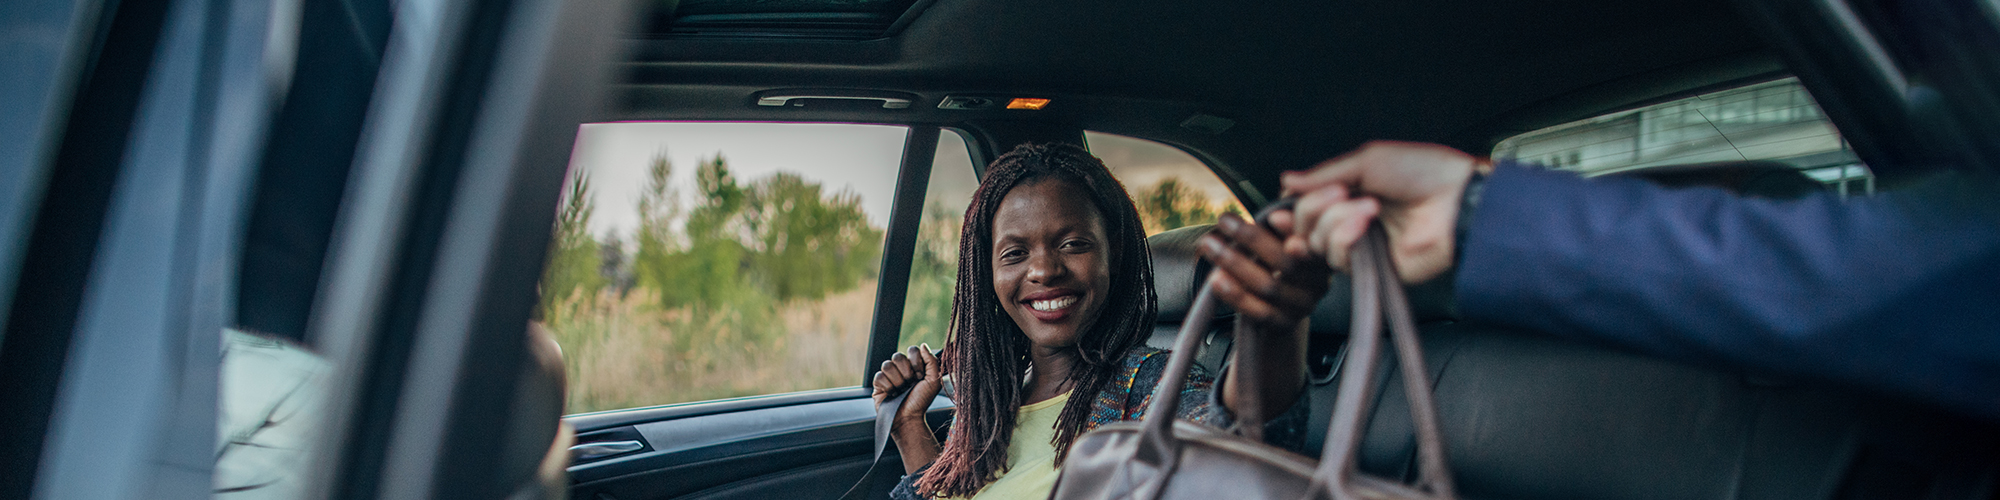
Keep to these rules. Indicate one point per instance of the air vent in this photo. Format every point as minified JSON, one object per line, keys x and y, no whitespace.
{"x":790,"y":19}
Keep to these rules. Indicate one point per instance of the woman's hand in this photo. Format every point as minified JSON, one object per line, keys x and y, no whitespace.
{"x":1273,"y":292}
{"x":923,"y":374}
{"x":1269,"y":288}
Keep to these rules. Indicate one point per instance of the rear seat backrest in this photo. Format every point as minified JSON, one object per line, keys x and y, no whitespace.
{"x":1528,"y":416}
{"x":1178,"y":272}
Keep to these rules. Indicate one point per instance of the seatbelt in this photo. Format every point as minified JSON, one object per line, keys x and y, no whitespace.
{"x":885,"y":417}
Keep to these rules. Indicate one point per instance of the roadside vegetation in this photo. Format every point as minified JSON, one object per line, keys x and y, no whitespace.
{"x":740,"y":288}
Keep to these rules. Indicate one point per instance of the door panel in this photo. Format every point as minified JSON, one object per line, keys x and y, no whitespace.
{"x":805,"y":445}
{"x":813,"y":444}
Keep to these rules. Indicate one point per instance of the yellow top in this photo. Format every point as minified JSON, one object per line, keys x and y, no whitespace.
{"x":1031,"y":458}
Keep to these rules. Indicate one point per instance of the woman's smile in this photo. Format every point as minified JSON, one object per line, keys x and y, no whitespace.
{"x":1053,"y":305}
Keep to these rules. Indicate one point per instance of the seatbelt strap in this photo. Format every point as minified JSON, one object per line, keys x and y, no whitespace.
{"x":885,"y":417}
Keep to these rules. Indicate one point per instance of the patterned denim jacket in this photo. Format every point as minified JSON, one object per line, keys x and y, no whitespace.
{"x":1128,"y":396}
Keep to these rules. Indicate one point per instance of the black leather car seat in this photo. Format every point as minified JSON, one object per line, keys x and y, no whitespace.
{"x":1526,"y":415}
{"x":1178,"y":271}
{"x":1530,"y":416}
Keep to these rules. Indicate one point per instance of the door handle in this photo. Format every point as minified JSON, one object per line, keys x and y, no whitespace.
{"x":602,"y":449}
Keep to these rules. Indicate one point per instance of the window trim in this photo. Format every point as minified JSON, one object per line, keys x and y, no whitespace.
{"x":913,"y":181}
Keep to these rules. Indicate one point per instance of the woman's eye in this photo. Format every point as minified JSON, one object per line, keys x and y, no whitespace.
{"x":1077,"y":245}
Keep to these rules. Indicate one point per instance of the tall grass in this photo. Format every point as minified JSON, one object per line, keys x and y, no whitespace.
{"x":623,"y":352}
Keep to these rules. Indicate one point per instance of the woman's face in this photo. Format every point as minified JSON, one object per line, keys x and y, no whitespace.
{"x":1051,"y":261}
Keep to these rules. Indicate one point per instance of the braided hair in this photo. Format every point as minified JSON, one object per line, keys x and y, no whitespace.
{"x":988,"y":353}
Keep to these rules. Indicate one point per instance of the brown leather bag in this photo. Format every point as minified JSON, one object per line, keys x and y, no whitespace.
{"x":1164,"y":458}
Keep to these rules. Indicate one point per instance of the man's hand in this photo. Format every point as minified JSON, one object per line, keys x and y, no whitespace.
{"x":921,"y":371}
{"x":1413,"y":188}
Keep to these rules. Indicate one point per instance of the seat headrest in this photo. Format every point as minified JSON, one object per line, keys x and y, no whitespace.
{"x":1177,"y":269}
{"x":1764,"y":179}
{"x":1429,"y":301}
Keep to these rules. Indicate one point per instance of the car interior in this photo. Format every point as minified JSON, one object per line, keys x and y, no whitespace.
{"x":396,"y":216}
{"x":1253,"y":91}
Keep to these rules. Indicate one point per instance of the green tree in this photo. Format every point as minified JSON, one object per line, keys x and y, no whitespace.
{"x":737,"y":252}
{"x":574,"y":256}
{"x":1171,"y":204}
{"x":807,"y":243}
{"x":654,"y":265}
{"x":700,"y":265}
{"x":711,"y":270}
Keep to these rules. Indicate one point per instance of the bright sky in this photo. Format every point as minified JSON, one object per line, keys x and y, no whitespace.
{"x":855,"y":157}
{"x":859,"y":158}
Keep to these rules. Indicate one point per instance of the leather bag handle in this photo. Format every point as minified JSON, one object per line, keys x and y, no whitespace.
{"x":1377,"y":292}
{"x":1158,"y":449}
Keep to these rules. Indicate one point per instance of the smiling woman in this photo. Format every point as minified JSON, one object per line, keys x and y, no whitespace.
{"x":1054,"y":300}
{"x":1049,"y":217}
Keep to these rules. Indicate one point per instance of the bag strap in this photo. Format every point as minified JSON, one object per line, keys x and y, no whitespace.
{"x":885,"y":419}
{"x":1158,"y":450}
{"x":1378,"y":290}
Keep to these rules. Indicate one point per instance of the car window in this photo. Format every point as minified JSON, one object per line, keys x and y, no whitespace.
{"x":1776,"y":121}
{"x":1171,"y":188}
{"x":934,"y":266}
{"x":695,"y":261}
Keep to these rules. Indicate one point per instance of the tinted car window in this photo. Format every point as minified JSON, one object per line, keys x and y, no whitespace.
{"x":1775,"y":121}
{"x":1171,"y":187}
{"x":697,"y":261}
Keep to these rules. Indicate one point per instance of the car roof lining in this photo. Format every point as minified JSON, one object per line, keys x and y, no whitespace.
{"x":1310,"y":81}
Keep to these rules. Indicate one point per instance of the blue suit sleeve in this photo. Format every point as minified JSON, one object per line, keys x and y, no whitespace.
{"x":1896,"y":291}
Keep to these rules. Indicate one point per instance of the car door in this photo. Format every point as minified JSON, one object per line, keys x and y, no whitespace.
{"x":160,"y":147}
{"x":128,"y":162}
{"x":718,"y":329}
{"x":436,"y":244}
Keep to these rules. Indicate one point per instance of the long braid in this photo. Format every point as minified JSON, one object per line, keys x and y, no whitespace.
{"x":987,"y":356}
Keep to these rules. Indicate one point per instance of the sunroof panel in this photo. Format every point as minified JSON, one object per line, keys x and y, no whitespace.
{"x":698,"y":7}
{"x":791,"y":19}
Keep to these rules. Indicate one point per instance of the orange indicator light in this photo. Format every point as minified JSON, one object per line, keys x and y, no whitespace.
{"x":1027,"y":103}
